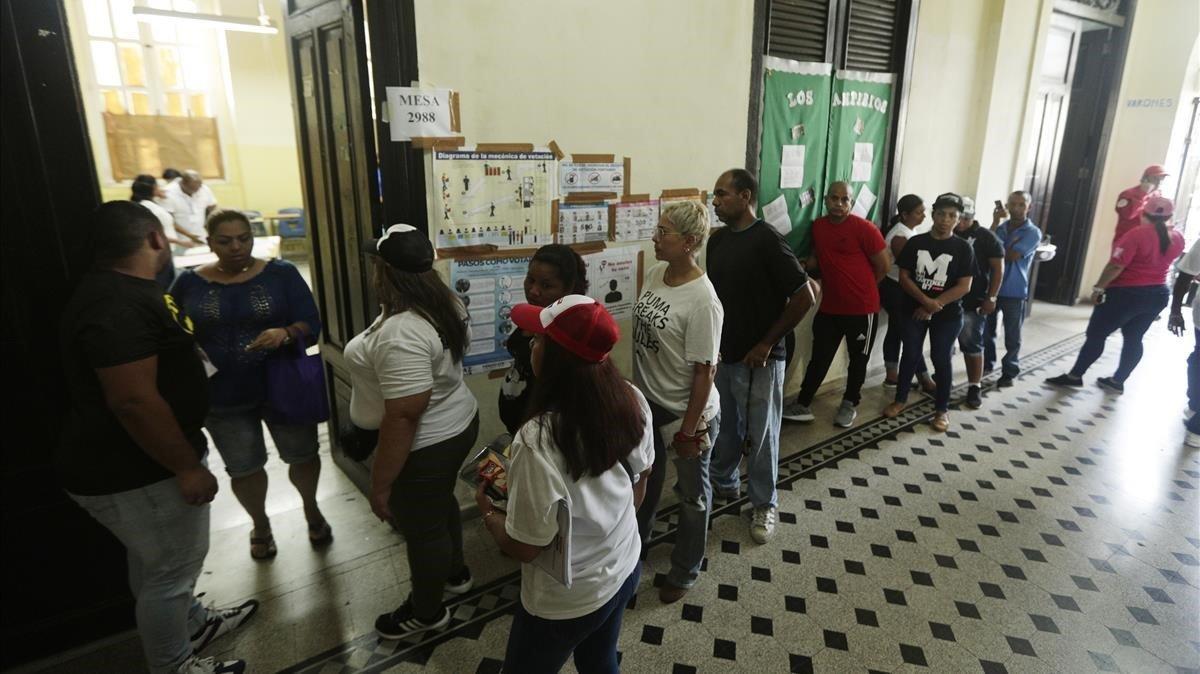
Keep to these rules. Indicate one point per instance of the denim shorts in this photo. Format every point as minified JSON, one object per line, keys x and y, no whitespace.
{"x":970,"y":339}
{"x":238,"y":434}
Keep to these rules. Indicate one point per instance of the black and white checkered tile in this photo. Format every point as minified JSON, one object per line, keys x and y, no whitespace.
{"x":1006,"y":545}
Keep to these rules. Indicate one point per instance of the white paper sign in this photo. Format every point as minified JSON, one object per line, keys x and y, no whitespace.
{"x":793,"y":155}
{"x":861,"y":172}
{"x":776,"y":215}
{"x":864,"y":202}
{"x":591,"y":177}
{"x":613,"y":279}
{"x":418,"y":113}
{"x":791,"y":177}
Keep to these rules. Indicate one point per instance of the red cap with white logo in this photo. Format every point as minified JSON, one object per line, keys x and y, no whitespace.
{"x":578,"y":323}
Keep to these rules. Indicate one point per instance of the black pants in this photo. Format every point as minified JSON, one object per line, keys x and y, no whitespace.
{"x":427,"y":513}
{"x":828,"y":332}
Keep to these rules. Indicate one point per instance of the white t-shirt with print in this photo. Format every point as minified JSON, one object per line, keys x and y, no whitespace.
{"x":605,"y":544}
{"x":673,"y":328}
{"x":402,"y":357}
{"x":1190,"y":264}
{"x":898,"y":229}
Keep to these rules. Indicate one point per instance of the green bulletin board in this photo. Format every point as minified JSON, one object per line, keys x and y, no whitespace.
{"x":858,"y":137}
{"x":793,"y":146}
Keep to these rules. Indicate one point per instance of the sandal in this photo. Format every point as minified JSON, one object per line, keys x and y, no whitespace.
{"x":262,"y":547}
{"x":940,"y":422}
{"x":321,"y":535}
{"x":893,"y":410}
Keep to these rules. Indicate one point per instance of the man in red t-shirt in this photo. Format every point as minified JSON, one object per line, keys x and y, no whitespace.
{"x":852,"y":259}
{"x":1131,"y":202}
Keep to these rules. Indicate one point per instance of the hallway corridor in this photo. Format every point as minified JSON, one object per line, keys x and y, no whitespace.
{"x":1051,"y":531}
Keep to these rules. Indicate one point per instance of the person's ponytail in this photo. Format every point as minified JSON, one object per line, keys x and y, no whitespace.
{"x":905,"y":205}
{"x":1164,"y":236}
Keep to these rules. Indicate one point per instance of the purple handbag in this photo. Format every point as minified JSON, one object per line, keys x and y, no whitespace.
{"x":296,"y":393}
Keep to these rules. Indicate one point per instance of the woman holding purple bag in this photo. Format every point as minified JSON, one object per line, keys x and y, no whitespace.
{"x":250,"y":316}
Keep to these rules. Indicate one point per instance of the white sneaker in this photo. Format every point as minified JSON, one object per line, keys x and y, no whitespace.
{"x":195,"y":665}
{"x":460,"y":584}
{"x":222,"y":621}
{"x":762,"y":524}
{"x":1192,"y":440}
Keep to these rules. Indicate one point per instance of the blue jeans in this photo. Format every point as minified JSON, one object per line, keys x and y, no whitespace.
{"x":537,"y":645}
{"x":1194,"y":374}
{"x":751,"y":413}
{"x":892,"y":297}
{"x":970,"y":339}
{"x":942,"y":333}
{"x":1013,"y":311}
{"x":1131,"y":310}
{"x":165,"y":543}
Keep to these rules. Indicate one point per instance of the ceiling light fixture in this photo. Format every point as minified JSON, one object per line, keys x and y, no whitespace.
{"x":260,"y":25}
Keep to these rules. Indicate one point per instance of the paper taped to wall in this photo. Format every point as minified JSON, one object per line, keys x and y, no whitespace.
{"x":776,"y":215}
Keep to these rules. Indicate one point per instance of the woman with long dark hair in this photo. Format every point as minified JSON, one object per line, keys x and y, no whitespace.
{"x":407,"y":376}
{"x":555,"y":270}
{"x":244,"y":310}
{"x":910,"y":213}
{"x":585,"y":448}
{"x":144,"y":190}
{"x":1130,"y":294}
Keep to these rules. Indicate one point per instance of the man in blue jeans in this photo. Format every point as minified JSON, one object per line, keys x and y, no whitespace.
{"x":980,"y":302}
{"x":765,"y":293}
{"x":132,"y":452}
{"x":1020,"y":238}
{"x":1186,"y":271}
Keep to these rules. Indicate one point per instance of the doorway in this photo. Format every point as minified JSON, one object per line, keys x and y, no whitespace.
{"x":1076,"y":100}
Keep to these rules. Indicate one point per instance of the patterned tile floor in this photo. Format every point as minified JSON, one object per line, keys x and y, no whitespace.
{"x":1051,"y":531}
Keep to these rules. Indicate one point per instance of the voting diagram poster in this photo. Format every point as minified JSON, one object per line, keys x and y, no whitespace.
{"x":497,"y":198}
{"x":489,"y":288}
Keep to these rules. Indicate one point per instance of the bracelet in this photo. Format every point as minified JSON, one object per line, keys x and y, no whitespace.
{"x":1098,"y":290}
{"x":489,"y":513}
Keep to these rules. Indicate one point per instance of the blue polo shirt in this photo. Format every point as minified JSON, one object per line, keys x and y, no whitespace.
{"x":1023,"y":238}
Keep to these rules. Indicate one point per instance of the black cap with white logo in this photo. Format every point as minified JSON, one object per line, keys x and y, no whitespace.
{"x":404,"y":247}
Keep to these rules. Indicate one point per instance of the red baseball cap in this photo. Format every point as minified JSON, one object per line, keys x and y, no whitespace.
{"x":1154,"y":171}
{"x":1159,"y":206}
{"x":578,"y":323}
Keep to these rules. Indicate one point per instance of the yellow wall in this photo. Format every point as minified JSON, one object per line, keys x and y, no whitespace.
{"x":1161,"y":44}
{"x":254,"y":111}
{"x":665,"y":83}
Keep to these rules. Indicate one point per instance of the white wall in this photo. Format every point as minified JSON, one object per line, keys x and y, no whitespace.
{"x":1161,"y":44}
{"x":665,"y":83}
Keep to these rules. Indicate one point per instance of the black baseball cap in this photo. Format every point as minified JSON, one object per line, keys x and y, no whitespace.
{"x":949,"y":199}
{"x":404,"y":247}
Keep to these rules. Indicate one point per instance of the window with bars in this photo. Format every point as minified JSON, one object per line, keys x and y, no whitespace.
{"x":152,"y":80}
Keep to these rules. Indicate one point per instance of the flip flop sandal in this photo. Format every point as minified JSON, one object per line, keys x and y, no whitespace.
{"x":262,"y":547}
{"x":321,"y":535}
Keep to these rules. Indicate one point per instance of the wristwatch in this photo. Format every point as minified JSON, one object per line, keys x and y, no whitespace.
{"x":993,"y":299}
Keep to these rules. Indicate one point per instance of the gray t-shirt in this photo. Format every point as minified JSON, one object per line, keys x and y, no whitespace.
{"x":674,"y":328}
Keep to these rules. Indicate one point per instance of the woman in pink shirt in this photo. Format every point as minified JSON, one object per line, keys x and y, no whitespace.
{"x":1130,"y":294}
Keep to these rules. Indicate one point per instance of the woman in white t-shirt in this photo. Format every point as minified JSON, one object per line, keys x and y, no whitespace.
{"x":676,"y":341}
{"x":585,"y":451}
{"x":144,"y":190}
{"x":910,"y":213}
{"x":407,"y":375}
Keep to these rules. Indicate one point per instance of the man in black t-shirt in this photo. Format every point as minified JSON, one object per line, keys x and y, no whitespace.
{"x":765,"y":293}
{"x":981,"y":301}
{"x":936,"y":272}
{"x":132,"y":452}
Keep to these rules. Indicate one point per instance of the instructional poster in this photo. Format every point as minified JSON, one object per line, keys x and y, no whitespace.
{"x":582,"y":223}
{"x":636,"y":220}
{"x":613,"y":279}
{"x":592,"y":177}
{"x":497,"y":198}
{"x":489,"y":288}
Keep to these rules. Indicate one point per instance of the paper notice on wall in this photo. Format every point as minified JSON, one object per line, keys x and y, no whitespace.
{"x":635,"y":221}
{"x":864,"y":152}
{"x":613,"y":279}
{"x":791,"y":177}
{"x":864,"y":202}
{"x":793,"y":155}
{"x":488,"y":288}
{"x":581,"y":223}
{"x":861,"y":172}
{"x":776,"y":215}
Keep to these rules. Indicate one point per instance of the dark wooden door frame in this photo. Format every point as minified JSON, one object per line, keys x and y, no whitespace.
{"x":64,"y":575}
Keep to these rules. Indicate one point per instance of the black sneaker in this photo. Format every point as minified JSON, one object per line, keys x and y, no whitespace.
{"x":222,"y":621}
{"x":1004,"y":381}
{"x":974,"y":397}
{"x":195,"y":665}
{"x":460,"y":584}
{"x":1110,"y":384}
{"x":1066,"y":380}
{"x":402,"y":623}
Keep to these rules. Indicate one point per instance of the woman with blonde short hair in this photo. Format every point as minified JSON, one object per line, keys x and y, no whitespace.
{"x":677,"y":336}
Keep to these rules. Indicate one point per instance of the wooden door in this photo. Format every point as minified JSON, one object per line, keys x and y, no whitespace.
{"x":338,"y":168}
{"x":1050,"y":113}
